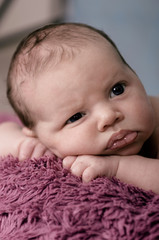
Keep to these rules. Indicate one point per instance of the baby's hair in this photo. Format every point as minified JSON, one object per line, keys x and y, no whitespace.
{"x":42,"y":48}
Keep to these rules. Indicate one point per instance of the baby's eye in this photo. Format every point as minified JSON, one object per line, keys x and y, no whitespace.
{"x":75,"y":117}
{"x":117,"y":89}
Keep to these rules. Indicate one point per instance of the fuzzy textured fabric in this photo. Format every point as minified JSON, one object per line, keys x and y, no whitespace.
{"x":41,"y":200}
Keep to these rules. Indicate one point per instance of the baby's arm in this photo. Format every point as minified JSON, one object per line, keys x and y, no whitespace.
{"x":13,"y":141}
{"x":139,"y":171}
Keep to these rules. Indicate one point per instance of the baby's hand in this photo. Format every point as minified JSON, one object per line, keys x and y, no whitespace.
{"x":13,"y":141}
{"x":89,"y":167}
{"x":31,"y":147}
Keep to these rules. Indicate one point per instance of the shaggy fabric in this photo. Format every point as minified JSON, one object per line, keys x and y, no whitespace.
{"x":40,"y":200}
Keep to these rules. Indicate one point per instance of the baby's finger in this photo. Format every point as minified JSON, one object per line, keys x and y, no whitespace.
{"x":25,"y":149}
{"x":38,"y":151}
{"x":89,"y":174}
{"x":78,"y":167}
{"x":48,"y":153}
{"x":68,"y":161}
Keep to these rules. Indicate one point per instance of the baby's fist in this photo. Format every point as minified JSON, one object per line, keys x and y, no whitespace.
{"x":32,"y":148}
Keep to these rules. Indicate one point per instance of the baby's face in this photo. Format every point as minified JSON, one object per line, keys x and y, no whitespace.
{"x":92,"y":104}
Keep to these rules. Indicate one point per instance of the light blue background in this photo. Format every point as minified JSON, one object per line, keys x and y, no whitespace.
{"x":134,"y":27}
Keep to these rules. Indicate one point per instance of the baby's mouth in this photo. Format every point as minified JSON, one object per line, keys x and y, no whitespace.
{"x":121,"y":139}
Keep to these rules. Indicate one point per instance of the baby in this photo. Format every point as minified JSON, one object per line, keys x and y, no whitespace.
{"x":79,"y":99}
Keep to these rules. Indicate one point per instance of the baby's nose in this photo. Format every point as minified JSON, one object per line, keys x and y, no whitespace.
{"x":107,"y":117}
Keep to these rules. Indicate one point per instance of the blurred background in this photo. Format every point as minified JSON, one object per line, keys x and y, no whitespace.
{"x":133,"y":26}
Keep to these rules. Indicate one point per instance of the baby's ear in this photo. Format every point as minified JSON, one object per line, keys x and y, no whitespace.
{"x":28,"y":132}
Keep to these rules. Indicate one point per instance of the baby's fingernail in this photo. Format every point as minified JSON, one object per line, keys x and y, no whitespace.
{"x":65,"y":163}
{"x":48,"y":154}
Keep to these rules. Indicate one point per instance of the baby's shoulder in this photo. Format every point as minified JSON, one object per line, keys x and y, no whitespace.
{"x":154,"y":100}
{"x":155,"y":106}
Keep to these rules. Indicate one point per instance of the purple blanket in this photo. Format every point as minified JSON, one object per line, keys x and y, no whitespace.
{"x":40,"y":200}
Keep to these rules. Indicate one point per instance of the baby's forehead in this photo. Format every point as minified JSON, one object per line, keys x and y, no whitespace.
{"x":65,"y":37}
{"x":49,"y":53}
{"x":49,"y":50}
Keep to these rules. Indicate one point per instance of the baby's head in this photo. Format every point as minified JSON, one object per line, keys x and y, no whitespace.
{"x":42,"y":50}
{"x":74,"y":91}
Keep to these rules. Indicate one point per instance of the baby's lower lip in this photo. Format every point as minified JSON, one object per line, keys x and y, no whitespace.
{"x":117,"y":142}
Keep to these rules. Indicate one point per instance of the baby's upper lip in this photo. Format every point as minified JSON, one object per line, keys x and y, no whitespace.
{"x":122,"y":134}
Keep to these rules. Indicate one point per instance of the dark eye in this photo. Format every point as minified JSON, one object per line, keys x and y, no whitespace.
{"x":75,"y":117}
{"x":118,"y":89}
